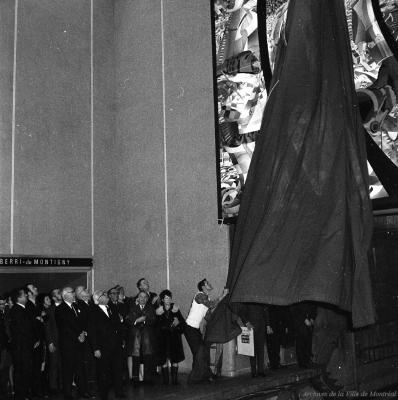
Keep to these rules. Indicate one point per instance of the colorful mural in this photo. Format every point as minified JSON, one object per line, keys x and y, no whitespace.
{"x":242,"y":96}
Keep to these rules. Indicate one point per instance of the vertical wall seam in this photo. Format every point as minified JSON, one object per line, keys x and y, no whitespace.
{"x":92,"y":121}
{"x":165,"y":149}
{"x":14,"y":84}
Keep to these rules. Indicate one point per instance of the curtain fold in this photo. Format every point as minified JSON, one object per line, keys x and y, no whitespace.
{"x":305,"y":221}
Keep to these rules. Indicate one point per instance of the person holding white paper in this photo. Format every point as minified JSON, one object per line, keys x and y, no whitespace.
{"x":253,"y":316}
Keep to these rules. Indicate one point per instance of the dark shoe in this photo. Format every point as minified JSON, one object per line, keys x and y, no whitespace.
{"x":254,"y":375}
{"x":135,"y":383}
{"x":120,"y":396}
{"x":262,"y":374}
{"x":85,"y":395}
{"x":165,"y":375}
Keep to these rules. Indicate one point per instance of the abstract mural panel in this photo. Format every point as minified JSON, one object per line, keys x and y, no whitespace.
{"x":241,"y":93}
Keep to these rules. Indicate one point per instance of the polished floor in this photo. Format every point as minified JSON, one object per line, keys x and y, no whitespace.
{"x":241,"y":387}
{"x":222,"y":388}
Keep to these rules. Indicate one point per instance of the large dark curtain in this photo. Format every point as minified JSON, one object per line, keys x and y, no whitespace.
{"x":305,"y":221}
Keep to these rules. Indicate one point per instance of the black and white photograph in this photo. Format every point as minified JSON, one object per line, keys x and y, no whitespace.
{"x":198,"y":199}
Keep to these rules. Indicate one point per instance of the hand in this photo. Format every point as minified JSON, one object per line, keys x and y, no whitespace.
{"x":249,"y":326}
{"x":43,"y":366}
{"x":155,"y":299}
{"x":52,"y":348}
{"x":159,"y":310}
{"x":307,"y":322}
{"x":269,"y":330}
{"x":140,"y":319}
{"x":36,"y":345}
{"x":175,"y":323}
{"x":174,"y":309}
{"x":97,"y":353}
{"x":81,"y":338}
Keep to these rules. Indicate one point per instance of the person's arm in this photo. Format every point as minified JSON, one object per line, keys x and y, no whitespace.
{"x":150,"y":316}
{"x":268,"y":320}
{"x":51,"y":332}
{"x":92,"y":330}
{"x":130,"y":316}
{"x":202,"y":298}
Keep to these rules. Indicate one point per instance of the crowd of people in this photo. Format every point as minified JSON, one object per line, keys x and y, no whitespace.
{"x":53,"y":342}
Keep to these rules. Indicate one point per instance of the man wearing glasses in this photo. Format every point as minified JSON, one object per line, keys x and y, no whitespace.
{"x":118,"y":303}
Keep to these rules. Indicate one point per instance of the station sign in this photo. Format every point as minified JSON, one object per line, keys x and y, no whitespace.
{"x":32,"y":261}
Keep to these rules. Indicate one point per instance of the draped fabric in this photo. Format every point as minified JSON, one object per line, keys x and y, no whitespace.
{"x":305,"y":222}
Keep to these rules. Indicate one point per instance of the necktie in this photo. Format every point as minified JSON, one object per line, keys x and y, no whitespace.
{"x":108,"y":310}
{"x":74,"y":309}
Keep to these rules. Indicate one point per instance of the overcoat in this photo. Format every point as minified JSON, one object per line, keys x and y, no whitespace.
{"x":141,"y":336}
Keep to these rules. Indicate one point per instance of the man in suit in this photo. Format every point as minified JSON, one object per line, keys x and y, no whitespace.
{"x":51,"y":334}
{"x":4,"y":343}
{"x":303,"y":315}
{"x":277,"y":324}
{"x":84,"y":305}
{"x":33,"y":309}
{"x":71,"y":336}
{"x":143,"y":286}
{"x":106,"y":338}
{"x":120,"y":304}
{"x":23,"y":342}
{"x":253,"y":315}
{"x":118,"y":301}
{"x":141,"y":337}
{"x":123,"y":299}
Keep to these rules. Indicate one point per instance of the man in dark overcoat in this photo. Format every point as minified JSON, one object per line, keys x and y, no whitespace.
{"x":141,"y":336}
{"x":24,"y":340}
{"x":71,"y":336}
{"x":106,"y":339}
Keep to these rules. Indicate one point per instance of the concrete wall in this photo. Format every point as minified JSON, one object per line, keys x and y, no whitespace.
{"x":166,"y":203}
{"x":113,"y":132}
{"x":6,"y":91}
{"x":45,"y":128}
